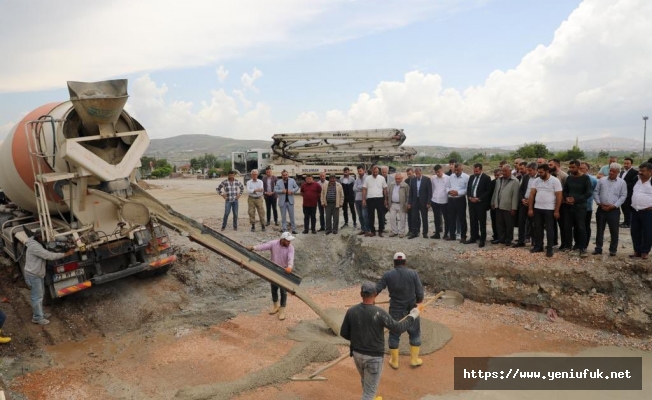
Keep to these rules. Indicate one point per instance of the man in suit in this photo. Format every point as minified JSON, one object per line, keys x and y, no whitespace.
{"x":630,"y":176}
{"x":525,"y":223}
{"x":398,"y":193}
{"x":478,"y":192}
{"x":286,"y":188}
{"x":419,"y":202}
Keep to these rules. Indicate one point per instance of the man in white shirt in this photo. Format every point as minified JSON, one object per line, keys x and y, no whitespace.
{"x":374,"y":197}
{"x":641,"y":219}
{"x":255,"y":201}
{"x":543,"y":205}
{"x":457,"y":186}
{"x":439,"y":201}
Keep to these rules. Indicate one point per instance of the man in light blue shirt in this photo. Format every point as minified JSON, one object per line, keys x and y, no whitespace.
{"x":457,"y":185}
{"x":609,"y":194}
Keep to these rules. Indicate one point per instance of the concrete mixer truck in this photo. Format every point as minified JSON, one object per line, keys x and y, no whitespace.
{"x":67,"y":171}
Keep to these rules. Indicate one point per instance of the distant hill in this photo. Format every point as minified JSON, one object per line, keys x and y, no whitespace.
{"x":184,"y":147}
{"x":180,"y":149}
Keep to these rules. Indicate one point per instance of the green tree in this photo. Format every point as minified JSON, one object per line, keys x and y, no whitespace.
{"x":603,"y":154}
{"x":532,"y":150}
{"x":452,"y":155}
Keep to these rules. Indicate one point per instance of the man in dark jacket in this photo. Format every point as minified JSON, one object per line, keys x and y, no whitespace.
{"x":479,"y":194}
{"x":525,"y":223}
{"x":630,"y":176}
{"x":269,"y":181}
{"x":419,"y":202}
{"x":405,"y":292}
{"x":347,"y":181}
{"x":364,"y":326}
{"x":576,"y":190}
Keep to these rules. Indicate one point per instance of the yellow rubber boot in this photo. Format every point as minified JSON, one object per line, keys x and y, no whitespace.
{"x":281,"y":313}
{"x":415,"y":361}
{"x":274,"y":309}
{"x":4,"y":339}
{"x":393,"y":358}
{"x":378,"y":398}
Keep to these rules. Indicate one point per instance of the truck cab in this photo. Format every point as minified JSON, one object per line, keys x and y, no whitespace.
{"x":244,"y":161}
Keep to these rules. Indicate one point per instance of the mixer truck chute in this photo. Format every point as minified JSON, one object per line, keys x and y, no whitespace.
{"x":329,"y":152}
{"x":66,"y":170}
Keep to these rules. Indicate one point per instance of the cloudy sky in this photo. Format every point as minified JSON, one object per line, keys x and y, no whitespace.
{"x":464,"y":72}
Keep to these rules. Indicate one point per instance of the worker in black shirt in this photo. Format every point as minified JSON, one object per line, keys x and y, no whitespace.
{"x":363,"y":327}
{"x":405,"y":292}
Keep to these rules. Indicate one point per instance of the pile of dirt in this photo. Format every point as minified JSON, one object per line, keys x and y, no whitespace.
{"x":148,"y":186}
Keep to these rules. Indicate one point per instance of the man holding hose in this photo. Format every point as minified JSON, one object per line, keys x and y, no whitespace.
{"x":405,"y":292}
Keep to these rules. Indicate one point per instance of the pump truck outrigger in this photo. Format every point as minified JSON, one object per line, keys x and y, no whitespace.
{"x":67,"y":171}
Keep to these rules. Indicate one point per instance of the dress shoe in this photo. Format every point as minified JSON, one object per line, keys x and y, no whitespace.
{"x":393,"y":234}
{"x":345,"y":224}
{"x":583,"y":253}
{"x":411,"y":236}
{"x":328,"y":232}
{"x":496,"y":241}
{"x":450,"y":239}
{"x":380,"y":234}
{"x":596,"y":252}
{"x":267,"y":224}
{"x":334,"y":232}
{"x":635,"y":255}
{"x":644,"y":256}
{"x":445,"y":237}
{"x":536,"y":250}
{"x":295,"y":232}
{"x":314,"y":231}
{"x":470,"y":241}
{"x":519,"y":244}
{"x":564,"y":248}
{"x":481,"y":244}
{"x":304,"y":231}
{"x":612,"y":254}
{"x":508,"y":244}
{"x":321,"y":229}
{"x":400,"y":235}
{"x":463,"y":239}
{"x":435,"y":236}
{"x":549,"y":252}
{"x":362,"y":233}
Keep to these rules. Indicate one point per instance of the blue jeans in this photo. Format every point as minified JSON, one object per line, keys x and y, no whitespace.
{"x":641,"y":230}
{"x":36,"y":290}
{"x":363,"y":215}
{"x":228,"y":206}
{"x":414,"y":331}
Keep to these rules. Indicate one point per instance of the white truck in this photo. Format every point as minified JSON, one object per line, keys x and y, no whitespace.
{"x":329,"y":152}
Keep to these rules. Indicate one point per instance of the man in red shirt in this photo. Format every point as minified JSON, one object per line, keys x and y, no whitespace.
{"x":311,"y":192}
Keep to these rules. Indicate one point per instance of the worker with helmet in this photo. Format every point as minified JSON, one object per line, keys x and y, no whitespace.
{"x":405,"y":292}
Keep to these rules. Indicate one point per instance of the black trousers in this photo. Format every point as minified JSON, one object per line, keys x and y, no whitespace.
{"x":505,"y":224}
{"x":627,"y":211}
{"x":322,"y":218}
{"x":270,"y":204}
{"x":544,"y":219}
{"x":376,"y":206}
{"x":587,"y":227}
{"x":349,"y":203}
{"x":419,"y":218}
{"x":409,"y":219}
{"x":478,"y":221}
{"x":603,"y":219}
{"x":525,"y":224}
{"x":574,"y":226}
{"x":441,"y":213}
{"x":494,"y":227}
{"x":309,"y":218}
{"x":284,"y":295}
{"x":457,"y":214}
{"x":565,"y":234}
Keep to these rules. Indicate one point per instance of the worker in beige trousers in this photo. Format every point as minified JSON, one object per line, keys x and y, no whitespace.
{"x":255,"y":201}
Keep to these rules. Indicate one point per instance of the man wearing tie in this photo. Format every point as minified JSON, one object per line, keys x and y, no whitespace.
{"x":479,"y":194}
{"x":630,"y":176}
{"x":419,"y":202}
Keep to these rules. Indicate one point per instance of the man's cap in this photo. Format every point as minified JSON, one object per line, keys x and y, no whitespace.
{"x":332,"y":176}
{"x":368,"y":288}
{"x":399,"y":256}
{"x":287,"y":236}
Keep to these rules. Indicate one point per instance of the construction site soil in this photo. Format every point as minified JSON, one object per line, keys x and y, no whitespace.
{"x":202,"y":330}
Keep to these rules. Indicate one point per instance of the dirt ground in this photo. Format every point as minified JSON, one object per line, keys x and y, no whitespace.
{"x":203,"y":328}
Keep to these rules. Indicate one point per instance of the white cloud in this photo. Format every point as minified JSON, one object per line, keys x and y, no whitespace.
{"x":240,"y":95}
{"x":221,"y":73}
{"x":587,"y":82}
{"x":150,"y":35}
{"x":248,"y":80}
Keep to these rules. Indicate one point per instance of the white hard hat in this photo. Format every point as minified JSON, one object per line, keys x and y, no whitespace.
{"x":399,"y":256}
{"x":287,"y":236}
